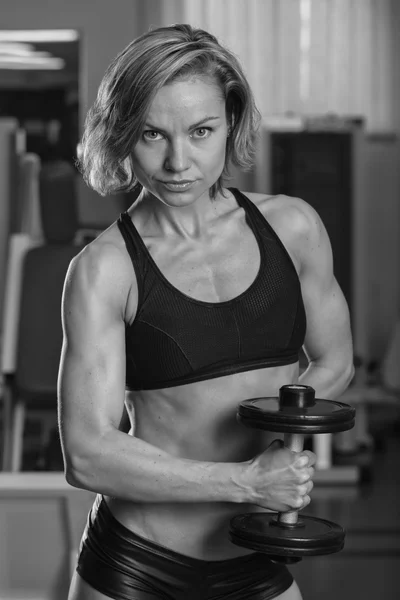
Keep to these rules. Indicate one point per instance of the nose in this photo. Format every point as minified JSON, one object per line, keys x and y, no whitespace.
{"x":177,"y":159}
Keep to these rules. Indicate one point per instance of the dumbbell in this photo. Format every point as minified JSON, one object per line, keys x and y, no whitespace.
{"x":284,"y":536}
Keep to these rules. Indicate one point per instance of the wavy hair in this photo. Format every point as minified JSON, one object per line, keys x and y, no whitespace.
{"x":115,"y":122}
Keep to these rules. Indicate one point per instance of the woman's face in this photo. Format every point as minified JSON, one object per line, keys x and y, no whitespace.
{"x":181,"y":150}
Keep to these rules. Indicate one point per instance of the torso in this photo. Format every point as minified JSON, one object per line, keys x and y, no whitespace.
{"x":198,"y":421}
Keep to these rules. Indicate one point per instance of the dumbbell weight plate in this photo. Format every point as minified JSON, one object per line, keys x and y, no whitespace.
{"x":296,"y":412}
{"x":310,"y":536}
{"x":325,"y":416}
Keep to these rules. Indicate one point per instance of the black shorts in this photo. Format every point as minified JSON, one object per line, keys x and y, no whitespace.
{"x":124,"y":566}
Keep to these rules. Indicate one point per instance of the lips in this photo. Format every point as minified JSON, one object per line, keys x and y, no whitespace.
{"x":179,"y":181}
{"x":176,"y":186}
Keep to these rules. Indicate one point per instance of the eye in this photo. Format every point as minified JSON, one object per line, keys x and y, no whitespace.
{"x":203,"y":132}
{"x":151,"y":135}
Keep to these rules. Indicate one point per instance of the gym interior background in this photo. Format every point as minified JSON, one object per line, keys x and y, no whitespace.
{"x":326,"y":76}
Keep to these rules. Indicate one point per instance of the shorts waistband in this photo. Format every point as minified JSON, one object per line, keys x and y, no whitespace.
{"x":102,"y":512}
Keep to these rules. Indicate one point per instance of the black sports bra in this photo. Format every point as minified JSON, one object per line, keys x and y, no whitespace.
{"x":175,"y":339}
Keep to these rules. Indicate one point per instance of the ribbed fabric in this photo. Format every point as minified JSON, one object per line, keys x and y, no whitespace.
{"x":175,"y":339}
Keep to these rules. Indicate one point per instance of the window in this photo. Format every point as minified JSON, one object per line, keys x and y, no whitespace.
{"x":313,"y":56}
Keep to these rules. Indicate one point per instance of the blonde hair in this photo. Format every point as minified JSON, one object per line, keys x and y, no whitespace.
{"x":115,"y":121}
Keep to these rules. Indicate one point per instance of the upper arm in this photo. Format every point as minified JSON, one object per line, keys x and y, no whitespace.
{"x":91,"y":386}
{"x":328,"y":338}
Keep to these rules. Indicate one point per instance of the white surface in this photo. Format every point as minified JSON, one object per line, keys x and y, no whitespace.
{"x":18,"y":246}
{"x":31,"y":222}
{"x":34,"y":481}
{"x":8,"y":128}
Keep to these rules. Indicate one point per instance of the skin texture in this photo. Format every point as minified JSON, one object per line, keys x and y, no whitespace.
{"x":175,"y":149}
{"x":187,"y":466}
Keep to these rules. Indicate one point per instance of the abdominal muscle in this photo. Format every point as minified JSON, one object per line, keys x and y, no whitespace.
{"x":198,"y":422}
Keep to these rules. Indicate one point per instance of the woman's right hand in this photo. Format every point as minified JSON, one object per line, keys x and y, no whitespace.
{"x":281,"y":479}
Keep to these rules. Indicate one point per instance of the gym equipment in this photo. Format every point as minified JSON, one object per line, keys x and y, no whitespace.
{"x":284,"y":536}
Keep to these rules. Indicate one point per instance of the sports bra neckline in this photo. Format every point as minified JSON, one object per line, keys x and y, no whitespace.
{"x":239,"y":198}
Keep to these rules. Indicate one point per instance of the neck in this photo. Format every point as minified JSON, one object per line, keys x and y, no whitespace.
{"x":189,"y":222}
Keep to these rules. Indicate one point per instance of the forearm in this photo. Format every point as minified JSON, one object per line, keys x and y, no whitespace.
{"x":129,"y":468}
{"x":328,"y":382}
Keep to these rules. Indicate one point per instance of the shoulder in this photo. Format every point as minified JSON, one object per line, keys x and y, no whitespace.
{"x":288,"y":212}
{"x":101,"y":272}
{"x":296,"y":222}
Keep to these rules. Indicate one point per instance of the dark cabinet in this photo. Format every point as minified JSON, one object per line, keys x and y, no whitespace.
{"x":316,"y":166}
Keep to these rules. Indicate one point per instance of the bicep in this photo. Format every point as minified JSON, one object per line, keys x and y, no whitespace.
{"x":91,"y":387}
{"x":328,"y":336}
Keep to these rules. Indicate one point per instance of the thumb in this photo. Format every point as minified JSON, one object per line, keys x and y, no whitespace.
{"x":276,"y":445}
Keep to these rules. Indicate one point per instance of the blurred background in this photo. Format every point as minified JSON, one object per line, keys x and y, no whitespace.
{"x":326,"y":76}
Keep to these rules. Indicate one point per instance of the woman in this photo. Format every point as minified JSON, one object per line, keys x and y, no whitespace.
{"x":196,"y":299}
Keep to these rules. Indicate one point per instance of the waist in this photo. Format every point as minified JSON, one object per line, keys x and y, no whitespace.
{"x":199,"y":531}
{"x":188,"y":421}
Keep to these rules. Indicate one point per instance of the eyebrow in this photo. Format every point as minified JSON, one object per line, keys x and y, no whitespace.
{"x":205,"y":120}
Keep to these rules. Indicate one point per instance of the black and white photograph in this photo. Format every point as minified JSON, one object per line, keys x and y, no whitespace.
{"x":199,"y":299}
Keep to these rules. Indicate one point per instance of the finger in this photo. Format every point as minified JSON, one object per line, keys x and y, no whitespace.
{"x":302,"y":490}
{"x":305,"y":502}
{"x":304,"y":476}
{"x":275,"y":445}
{"x":297,"y":503}
{"x":312,"y":459}
{"x":305,"y":489}
{"x":307,"y":475}
{"x":301,"y":461}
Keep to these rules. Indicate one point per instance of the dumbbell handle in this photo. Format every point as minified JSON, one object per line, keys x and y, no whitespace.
{"x":295,"y":442}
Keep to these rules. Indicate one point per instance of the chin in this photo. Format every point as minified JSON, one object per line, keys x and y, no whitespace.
{"x":175,"y":199}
